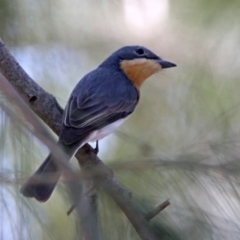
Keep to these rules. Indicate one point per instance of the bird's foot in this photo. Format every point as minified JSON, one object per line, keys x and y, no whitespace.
{"x":96,"y":149}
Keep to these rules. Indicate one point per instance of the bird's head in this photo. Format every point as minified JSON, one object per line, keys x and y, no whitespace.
{"x":137,"y":63}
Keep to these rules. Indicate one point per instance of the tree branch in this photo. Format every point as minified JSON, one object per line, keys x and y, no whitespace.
{"x":47,"y":108}
{"x":86,"y":212}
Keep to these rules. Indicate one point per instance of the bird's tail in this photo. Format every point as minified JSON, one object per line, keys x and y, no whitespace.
{"x":42,"y":183}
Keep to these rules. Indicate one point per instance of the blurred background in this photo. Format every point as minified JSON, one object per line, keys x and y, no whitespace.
{"x":181,"y":143}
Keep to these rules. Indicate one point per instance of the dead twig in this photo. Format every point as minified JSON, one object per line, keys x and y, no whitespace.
{"x":157,"y":210}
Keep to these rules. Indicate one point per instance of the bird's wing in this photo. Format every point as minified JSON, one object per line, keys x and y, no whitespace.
{"x":94,"y":104}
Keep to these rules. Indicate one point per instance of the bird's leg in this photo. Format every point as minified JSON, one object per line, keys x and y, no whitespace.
{"x":96,"y":149}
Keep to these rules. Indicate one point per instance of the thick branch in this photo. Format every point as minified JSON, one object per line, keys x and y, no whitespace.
{"x":47,"y":108}
{"x":41,"y":102}
{"x":86,"y":212}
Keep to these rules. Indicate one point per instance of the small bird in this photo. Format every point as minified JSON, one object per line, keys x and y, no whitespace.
{"x":101,"y":101}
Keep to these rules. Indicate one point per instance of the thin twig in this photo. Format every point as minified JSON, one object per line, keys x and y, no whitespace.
{"x":157,"y":210}
{"x":71,"y":209}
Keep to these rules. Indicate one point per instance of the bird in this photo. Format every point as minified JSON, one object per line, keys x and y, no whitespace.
{"x":100,"y":102}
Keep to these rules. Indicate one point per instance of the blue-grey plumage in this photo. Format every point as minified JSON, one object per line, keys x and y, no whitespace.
{"x":96,"y":102}
{"x":99,"y":104}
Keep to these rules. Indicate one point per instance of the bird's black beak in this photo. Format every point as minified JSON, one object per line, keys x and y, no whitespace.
{"x":165,"y":64}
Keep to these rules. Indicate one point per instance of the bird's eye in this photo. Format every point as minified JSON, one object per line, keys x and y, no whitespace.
{"x":140,"y":51}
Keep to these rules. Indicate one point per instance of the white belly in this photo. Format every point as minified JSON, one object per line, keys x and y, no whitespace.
{"x":103,"y":132}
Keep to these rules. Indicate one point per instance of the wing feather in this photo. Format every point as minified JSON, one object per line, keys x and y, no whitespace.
{"x":94,"y":105}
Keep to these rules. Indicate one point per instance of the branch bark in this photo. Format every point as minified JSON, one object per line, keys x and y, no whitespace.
{"x":85,"y":210}
{"x":47,"y":108}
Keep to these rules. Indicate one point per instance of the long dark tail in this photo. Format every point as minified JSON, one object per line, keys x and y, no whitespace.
{"x":42,"y":183}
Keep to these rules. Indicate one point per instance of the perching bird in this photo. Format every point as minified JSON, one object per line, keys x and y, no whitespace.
{"x":99,"y":103}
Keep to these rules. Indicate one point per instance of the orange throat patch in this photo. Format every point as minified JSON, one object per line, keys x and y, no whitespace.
{"x":138,"y":70}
